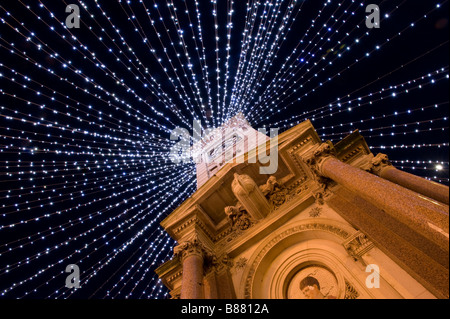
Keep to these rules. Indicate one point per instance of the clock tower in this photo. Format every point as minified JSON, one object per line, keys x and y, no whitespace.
{"x":225,"y":144}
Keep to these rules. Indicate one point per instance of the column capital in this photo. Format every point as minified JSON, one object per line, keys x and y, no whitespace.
{"x":379,"y":163}
{"x":190,"y":248}
{"x":318,"y":156}
{"x":221,"y":263}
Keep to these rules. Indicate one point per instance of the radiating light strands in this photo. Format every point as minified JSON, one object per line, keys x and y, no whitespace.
{"x":86,"y":116}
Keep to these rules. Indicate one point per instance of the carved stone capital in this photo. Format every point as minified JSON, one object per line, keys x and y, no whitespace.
{"x":316,"y":159}
{"x":219,"y":264}
{"x":191,"y":248}
{"x":380,"y":162}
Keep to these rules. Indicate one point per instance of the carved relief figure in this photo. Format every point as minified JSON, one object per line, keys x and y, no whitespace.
{"x":238,"y":217}
{"x":270,"y":186}
{"x":274,"y":192}
{"x":313,"y":282}
{"x":310,"y":288}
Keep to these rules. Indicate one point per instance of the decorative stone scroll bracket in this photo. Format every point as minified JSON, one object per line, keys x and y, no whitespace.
{"x":357,"y":245}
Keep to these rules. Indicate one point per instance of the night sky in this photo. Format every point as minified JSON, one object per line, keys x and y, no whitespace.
{"x":86,"y":115}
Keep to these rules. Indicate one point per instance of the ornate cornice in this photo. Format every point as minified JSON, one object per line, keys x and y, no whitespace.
{"x":194,"y":220}
{"x":174,"y":276}
{"x":352,"y":154}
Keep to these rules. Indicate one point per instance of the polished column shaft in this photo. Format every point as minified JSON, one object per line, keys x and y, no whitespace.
{"x":427,"y":217}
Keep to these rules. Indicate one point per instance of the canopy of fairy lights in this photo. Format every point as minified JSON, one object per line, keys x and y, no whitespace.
{"x":86,"y":115}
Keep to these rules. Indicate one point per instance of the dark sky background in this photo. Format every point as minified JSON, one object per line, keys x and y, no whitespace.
{"x":86,"y":116}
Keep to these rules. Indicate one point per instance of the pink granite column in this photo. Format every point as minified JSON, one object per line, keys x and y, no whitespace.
{"x":383,"y":168}
{"x":192,"y":256}
{"x":425,"y":216}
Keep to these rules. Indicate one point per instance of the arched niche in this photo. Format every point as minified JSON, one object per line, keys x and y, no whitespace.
{"x":295,"y":247}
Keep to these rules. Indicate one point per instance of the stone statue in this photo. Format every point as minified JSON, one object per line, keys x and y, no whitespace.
{"x":270,"y":186}
{"x":238,"y":216}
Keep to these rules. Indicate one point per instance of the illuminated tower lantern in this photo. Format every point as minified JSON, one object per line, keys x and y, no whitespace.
{"x":332,"y":221}
{"x":225,"y":144}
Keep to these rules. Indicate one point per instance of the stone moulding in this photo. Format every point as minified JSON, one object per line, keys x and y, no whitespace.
{"x":196,"y":221}
{"x":348,"y":156}
{"x":174,"y":277}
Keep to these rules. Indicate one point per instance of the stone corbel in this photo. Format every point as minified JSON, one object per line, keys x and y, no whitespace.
{"x":250,"y":196}
{"x":357,"y":245}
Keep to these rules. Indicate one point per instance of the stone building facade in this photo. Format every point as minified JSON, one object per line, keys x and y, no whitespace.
{"x":333,"y":221}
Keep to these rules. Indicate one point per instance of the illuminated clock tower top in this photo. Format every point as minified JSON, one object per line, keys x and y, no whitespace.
{"x":223,"y":144}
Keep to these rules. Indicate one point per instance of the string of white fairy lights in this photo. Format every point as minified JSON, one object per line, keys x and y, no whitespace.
{"x":83,"y":156}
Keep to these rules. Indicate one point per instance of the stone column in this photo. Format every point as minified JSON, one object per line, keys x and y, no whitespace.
{"x":383,"y":168}
{"x":417,"y":212}
{"x":192,"y":254}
